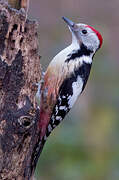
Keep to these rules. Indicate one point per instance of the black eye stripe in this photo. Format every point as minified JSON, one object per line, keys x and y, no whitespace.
{"x":84,"y":31}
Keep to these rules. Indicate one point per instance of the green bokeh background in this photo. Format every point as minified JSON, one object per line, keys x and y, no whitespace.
{"x":86,"y":144}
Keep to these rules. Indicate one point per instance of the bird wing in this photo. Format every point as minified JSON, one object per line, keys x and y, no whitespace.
{"x":69,"y":92}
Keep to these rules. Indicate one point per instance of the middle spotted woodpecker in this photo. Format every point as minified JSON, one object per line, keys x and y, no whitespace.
{"x":67,"y":75}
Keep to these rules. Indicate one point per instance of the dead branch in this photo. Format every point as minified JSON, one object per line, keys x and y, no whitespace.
{"x":19,"y":71}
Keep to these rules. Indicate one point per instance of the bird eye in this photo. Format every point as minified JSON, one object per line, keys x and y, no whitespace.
{"x":84,"y":31}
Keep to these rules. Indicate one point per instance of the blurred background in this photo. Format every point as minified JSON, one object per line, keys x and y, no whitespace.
{"x":86,"y":144}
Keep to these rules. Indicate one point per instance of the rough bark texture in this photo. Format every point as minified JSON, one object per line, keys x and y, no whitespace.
{"x":19,"y":71}
{"x":17,"y":4}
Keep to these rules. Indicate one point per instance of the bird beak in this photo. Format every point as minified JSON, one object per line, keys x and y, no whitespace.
{"x":68,"y":21}
{"x":71,"y":24}
{"x":74,"y":28}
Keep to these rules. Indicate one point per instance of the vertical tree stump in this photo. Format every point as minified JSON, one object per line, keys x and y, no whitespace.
{"x":19,"y":71}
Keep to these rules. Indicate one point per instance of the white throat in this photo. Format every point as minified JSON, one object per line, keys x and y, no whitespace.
{"x":75,"y":42}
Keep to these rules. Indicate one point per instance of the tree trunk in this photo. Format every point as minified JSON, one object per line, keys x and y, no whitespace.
{"x":18,"y":4}
{"x":19,"y":71}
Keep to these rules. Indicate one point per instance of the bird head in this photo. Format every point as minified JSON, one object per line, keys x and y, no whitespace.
{"x":85,"y":35}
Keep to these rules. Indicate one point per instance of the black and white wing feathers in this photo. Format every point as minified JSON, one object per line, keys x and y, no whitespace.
{"x":69,"y":91}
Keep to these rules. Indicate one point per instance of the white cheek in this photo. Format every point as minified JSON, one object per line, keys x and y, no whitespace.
{"x":92,"y":42}
{"x":96,"y":42}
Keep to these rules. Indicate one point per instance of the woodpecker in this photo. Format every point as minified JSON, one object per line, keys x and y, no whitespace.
{"x":67,"y":75}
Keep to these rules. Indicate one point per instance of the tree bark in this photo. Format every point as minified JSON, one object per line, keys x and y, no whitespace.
{"x":18,"y":4}
{"x":19,"y":71}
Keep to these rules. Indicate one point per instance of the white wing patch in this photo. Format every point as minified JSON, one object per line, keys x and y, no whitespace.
{"x":49,"y":128}
{"x":62,"y":108}
{"x":77,"y":89}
